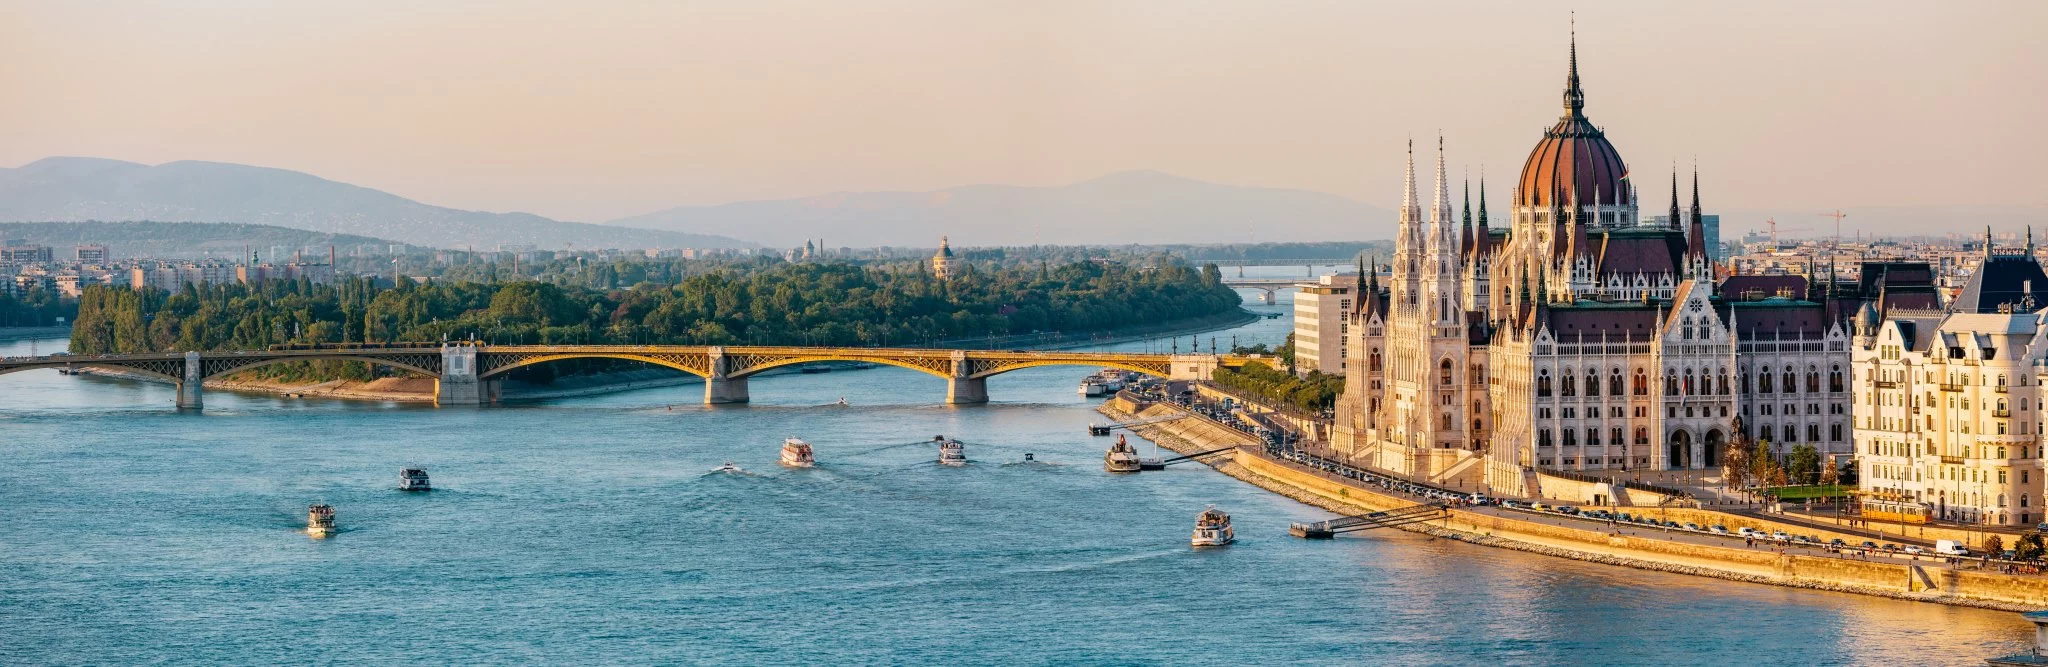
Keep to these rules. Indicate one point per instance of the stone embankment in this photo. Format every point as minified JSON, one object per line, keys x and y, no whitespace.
{"x":1928,"y":582}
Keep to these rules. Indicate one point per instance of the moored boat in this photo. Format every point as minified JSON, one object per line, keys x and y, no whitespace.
{"x":797,"y":454}
{"x":1092,"y":386}
{"x":1112,"y":379}
{"x":1122,"y":457}
{"x":414,"y":479}
{"x":320,"y":520}
{"x":1212,"y":529}
{"x":952,"y":453}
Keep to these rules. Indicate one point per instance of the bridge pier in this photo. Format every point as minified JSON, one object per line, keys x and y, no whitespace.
{"x":962,"y":388}
{"x":192,"y":385}
{"x":1193,"y":366}
{"x":458,"y":384}
{"x":720,"y":387}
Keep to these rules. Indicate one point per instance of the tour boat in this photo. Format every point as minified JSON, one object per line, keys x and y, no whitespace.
{"x":1122,"y":457}
{"x":1093,"y":386}
{"x":413,"y":479}
{"x":320,"y":520}
{"x":797,"y":454}
{"x":1112,"y":379}
{"x":952,"y":453}
{"x":1212,"y":529}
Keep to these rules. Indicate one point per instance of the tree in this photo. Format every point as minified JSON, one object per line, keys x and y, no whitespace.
{"x":1735,"y":467}
{"x":1830,"y":475}
{"x":1994,"y":544}
{"x":2029,"y":547}
{"x":1803,"y":465}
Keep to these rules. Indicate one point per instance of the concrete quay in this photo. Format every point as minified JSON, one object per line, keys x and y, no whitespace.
{"x":1629,"y":546}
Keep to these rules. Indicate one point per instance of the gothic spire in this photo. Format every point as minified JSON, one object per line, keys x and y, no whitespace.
{"x":1465,"y":243}
{"x":1482,"y":197}
{"x":1673,"y":222}
{"x":1409,"y":207}
{"x":1574,"y":98}
{"x":1696,"y":243}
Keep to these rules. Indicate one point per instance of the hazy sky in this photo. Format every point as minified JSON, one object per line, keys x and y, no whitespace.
{"x":594,"y":110}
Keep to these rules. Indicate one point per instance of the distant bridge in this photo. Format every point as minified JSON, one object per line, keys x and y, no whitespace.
{"x":1342,"y":261}
{"x":470,"y":374}
{"x":1270,"y":285}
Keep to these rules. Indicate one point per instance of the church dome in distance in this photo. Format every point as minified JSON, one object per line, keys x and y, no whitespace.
{"x":1574,"y":154}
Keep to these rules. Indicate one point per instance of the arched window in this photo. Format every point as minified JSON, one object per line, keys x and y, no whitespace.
{"x":1447,"y":421}
{"x":1374,"y":362}
{"x":1592,"y":382}
{"x":1688,"y":382}
{"x":1670,"y":382}
{"x":1543,"y":383}
{"x":1568,"y":383}
{"x":1791,"y":381}
{"x":1812,"y":380}
{"x":1614,"y":385}
{"x":2023,"y":500}
{"x":1444,"y":372}
{"x":1835,"y":379}
{"x":1721,"y":384}
{"x":1641,"y":384}
{"x":1763,"y":381}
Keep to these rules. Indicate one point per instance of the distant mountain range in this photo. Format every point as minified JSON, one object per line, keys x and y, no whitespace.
{"x":1127,"y":207}
{"x":65,"y":189}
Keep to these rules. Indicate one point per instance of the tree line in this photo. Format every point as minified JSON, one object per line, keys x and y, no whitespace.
{"x":819,"y":303}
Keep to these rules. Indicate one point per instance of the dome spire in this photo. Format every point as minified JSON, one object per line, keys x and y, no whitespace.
{"x":1574,"y":98}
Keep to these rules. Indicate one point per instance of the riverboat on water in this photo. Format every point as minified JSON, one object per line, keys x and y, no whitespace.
{"x":952,"y":452}
{"x":414,"y":479}
{"x":1093,"y":386}
{"x":1113,"y":379}
{"x":1212,"y":529}
{"x":1122,"y":457}
{"x":320,"y":520}
{"x":797,"y":454}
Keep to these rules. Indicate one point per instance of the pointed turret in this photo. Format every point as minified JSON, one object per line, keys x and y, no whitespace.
{"x":1465,"y":246}
{"x":1696,"y":238}
{"x":1674,"y":220}
{"x":1574,"y":98}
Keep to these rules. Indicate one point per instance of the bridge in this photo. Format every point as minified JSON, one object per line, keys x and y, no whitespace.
{"x":472,"y":373}
{"x":1270,"y":285}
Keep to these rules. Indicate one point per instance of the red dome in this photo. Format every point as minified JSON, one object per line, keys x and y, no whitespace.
{"x":1573,"y":153}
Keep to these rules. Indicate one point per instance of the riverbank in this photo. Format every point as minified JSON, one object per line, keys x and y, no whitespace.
{"x":1495,"y":528}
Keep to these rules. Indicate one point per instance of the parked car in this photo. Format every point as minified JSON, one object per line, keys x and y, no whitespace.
{"x":1869,"y":545}
{"x":1914,"y":549}
{"x":1718,"y":529}
{"x":1780,"y":536}
{"x":1747,"y":531}
{"x":1693,"y":526}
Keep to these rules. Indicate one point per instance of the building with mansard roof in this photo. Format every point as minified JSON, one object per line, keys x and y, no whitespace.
{"x":1577,"y":337}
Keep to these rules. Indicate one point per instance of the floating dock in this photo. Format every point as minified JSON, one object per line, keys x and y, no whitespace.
{"x":1323,"y":530}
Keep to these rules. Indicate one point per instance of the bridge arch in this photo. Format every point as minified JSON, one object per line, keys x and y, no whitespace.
{"x":887,"y":361}
{"x":654,"y":360}
{"x":374,"y":361}
{"x":103,"y":365}
{"x":1001,"y":367}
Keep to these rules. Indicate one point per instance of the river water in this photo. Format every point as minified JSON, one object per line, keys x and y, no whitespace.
{"x":589,"y":530}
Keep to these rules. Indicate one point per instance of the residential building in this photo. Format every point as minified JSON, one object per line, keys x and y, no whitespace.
{"x":1321,"y":322}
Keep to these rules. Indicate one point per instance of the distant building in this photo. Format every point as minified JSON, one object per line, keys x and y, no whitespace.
{"x":23,"y":254}
{"x":1320,"y":323}
{"x":943,"y":260}
{"x":93,"y":254}
{"x":1709,"y":222}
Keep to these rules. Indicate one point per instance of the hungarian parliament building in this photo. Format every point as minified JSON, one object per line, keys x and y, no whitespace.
{"x":1581,"y":337}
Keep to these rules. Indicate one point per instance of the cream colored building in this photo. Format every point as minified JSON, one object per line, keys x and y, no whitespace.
{"x":1320,"y":323}
{"x":1948,"y":403}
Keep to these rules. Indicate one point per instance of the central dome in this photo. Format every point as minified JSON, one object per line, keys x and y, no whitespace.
{"x":1573,"y":155}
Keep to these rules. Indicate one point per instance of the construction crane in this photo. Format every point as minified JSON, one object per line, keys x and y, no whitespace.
{"x":1837,"y":214}
{"x":1773,"y":224}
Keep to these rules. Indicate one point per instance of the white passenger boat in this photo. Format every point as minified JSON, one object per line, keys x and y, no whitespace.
{"x":1113,"y":379}
{"x":1093,"y":386}
{"x":414,"y":479}
{"x":1122,"y":457}
{"x":952,"y":453}
{"x":320,"y":520}
{"x":1212,"y":529}
{"x":797,"y":454}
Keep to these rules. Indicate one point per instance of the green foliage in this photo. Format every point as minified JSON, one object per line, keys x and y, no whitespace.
{"x":1315,"y":393}
{"x":40,"y":307}
{"x":749,"y":304}
{"x":1803,"y":465}
{"x":2029,"y":547}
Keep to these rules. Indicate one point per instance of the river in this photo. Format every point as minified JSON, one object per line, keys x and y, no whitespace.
{"x":589,"y":530}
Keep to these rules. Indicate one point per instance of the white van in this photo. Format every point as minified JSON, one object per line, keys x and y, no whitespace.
{"x":1950,"y":548}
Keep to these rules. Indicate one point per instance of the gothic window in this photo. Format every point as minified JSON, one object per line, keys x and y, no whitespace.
{"x":1543,"y":438}
{"x":1592,"y":382}
{"x":1447,"y":421}
{"x":1721,"y":385}
{"x":1593,"y":437}
{"x":1791,"y":381}
{"x":1614,"y":436}
{"x":1642,"y":435}
{"x":1568,"y":383}
{"x":1688,"y":382}
{"x":1571,"y":438}
{"x":1444,"y":372}
{"x":1374,"y":362}
{"x":1614,"y":385}
{"x":1642,"y":384}
{"x":1543,"y":383}
{"x":1812,"y":380}
{"x":1475,"y":426}
{"x":1763,"y":382}
{"x":1835,"y":379}
{"x":1813,"y":432}
{"x":1670,"y":382}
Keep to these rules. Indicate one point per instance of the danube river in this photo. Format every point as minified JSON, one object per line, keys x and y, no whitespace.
{"x":589,"y":530}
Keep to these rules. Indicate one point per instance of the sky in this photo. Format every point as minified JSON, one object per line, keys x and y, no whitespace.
{"x":596,"y":110}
